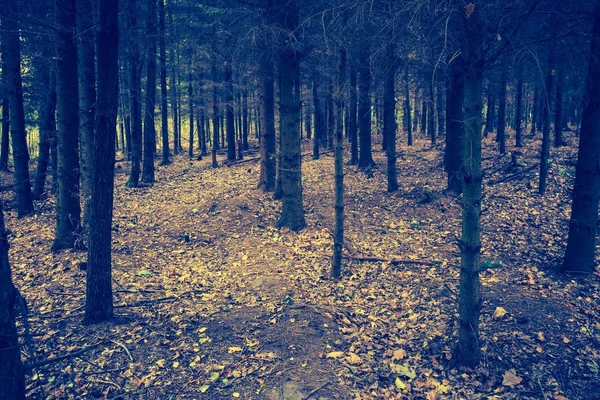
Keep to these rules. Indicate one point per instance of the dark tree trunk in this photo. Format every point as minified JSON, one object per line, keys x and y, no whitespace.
{"x":149,"y":127}
{"x":12,"y":376}
{"x":229,"y":112}
{"x":583,"y":226}
{"x":440,"y":114}
{"x":431,"y":114}
{"x":318,"y":120}
{"x":389,"y":118}
{"x":4,"y":146}
{"x":135,"y":94}
{"x":47,"y":132}
{"x":11,"y":51}
{"x":545,"y":153}
{"x":245,"y":120}
{"x":164,"y":107}
{"x":469,"y":352}
{"x":98,"y":301}
{"x":292,"y":209}
{"x":535,"y":111}
{"x":558,"y":107}
{"x":501,"y":133}
{"x":338,"y":243}
{"x":454,"y":125}
{"x":86,"y":59}
{"x":308,"y":120}
{"x":215,"y":142}
{"x":364,"y":111}
{"x":191,"y":110}
{"x":68,"y":208}
{"x":490,"y":114}
{"x":407,"y":110}
{"x":330,"y":118}
{"x":267,"y":131}
{"x":519,"y":106}
{"x":352,"y":120}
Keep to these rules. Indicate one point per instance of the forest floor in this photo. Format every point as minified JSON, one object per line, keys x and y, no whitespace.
{"x":212,"y":301}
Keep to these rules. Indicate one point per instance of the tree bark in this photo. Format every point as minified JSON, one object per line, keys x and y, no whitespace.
{"x":389,"y":117}
{"x":501,"y":133}
{"x":580,"y":255}
{"x":338,"y":243}
{"x":215,"y":142}
{"x":519,"y":106}
{"x":545,"y":151}
{"x":364,"y":111}
{"x":352,"y":117}
{"x":149,"y":127}
{"x":191,"y":114}
{"x":99,"y":301}
{"x":454,"y":125}
{"x":229,"y":112}
{"x":47,"y":132}
{"x":135,"y":94}
{"x":11,"y":51}
{"x":68,"y":208}
{"x":407,"y":110}
{"x":267,"y":132}
{"x":558,"y":107}
{"x":164,"y":107}
{"x":318,"y":120}
{"x":12,"y":376}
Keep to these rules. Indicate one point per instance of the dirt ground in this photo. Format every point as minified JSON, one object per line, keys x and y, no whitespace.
{"x":213,"y":302}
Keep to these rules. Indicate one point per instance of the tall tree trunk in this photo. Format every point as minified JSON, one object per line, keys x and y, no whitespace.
{"x":68,"y":208}
{"x":431,"y":114}
{"x":11,"y":51}
{"x":501,"y":133}
{"x":47,"y":132}
{"x":331,"y":126}
{"x":558,"y":107}
{"x":453,"y":156}
{"x":407,"y":110}
{"x":164,"y":107}
{"x":191,"y":110}
{"x":519,"y":106}
{"x":229,"y":112}
{"x":580,"y":255}
{"x":267,"y":131}
{"x":338,"y":242}
{"x":545,"y":152}
{"x":318,"y":119}
{"x":535,"y":110}
{"x":4,"y":146}
{"x":12,"y":376}
{"x":352,"y":117}
{"x":86,"y":59}
{"x":149,"y":127}
{"x":469,"y":352}
{"x":135,"y":95}
{"x":364,"y":111}
{"x":245,"y":120}
{"x":490,"y":114}
{"x":389,"y":117}
{"x":215,"y":142}
{"x":99,"y":301}
{"x":441,"y":131}
{"x":292,"y":209}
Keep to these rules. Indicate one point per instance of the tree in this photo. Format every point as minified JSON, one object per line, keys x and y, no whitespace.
{"x":267,"y":133}
{"x":149,"y":127}
{"x":338,"y":244}
{"x":164,"y":107}
{"x":364,"y":110}
{"x":99,"y":302}
{"x":519,"y":107}
{"x":12,"y":377}
{"x":292,"y":210}
{"x":68,"y":208}
{"x":135,"y":94}
{"x":352,"y":114}
{"x":389,"y":117}
{"x":454,"y":125}
{"x":581,"y":243}
{"x":11,"y":52}
{"x":191,"y":110}
{"x":501,"y":133}
{"x":229,"y":112}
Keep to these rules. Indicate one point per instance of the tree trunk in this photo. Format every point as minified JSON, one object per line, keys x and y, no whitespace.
{"x":545,"y":153}
{"x":469,"y":352}
{"x":318,"y":119}
{"x":331,"y":126}
{"x":454,"y":125}
{"x":229,"y":112}
{"x":99,"y":301}
{"x":135,"y":94}
{"x":12,"y":376}
{"x":558,"y":107}
{"x":86,"y":66}
{"x":338,"y":243}
{"x":11,"y":51}
{"x":245,"y":120}
{"x":191,"y":110}
{"x":47,"y":132}
{"x":164,"y":106}
{"x":267,"y":131}
{"x":439,"y":111}
{"x":583,"y":226}
{"x":352,"y":120}
{"x":292,"y":209}
{"x":215,"y":142}
{"x":389,"y":118}
{"x":364,"y":111}
{"x":4,"y":146}
{"x":149,"y":127}
{"x":407,"y":110}
{"x":519,"y":106}
{"x":68,"y":208}
{"x":431,"y":115}
{"x":501,"y":133}
{"x":490,"y":113}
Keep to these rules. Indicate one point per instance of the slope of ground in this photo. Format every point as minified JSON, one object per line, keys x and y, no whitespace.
{"x":212,"y":301}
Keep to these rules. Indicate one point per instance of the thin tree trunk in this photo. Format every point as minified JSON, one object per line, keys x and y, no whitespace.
{"x":407,"y":110}
{"x":267,"y":131}
{"x":99,"y":301}
{"x":389,"y":118}
{"x":215,"y":142}
{"x":318,"y":120}
{"x":4,"y":146}
{"x":135,"y":94}
{"x":149,"y":127}
{"x":229,"y":112}
{"x":519,"y":106}
{"x":191,"y":110}
{"x":338,"y":243}
{"x":364,"y":112}
{"x":501,"y":133}
{"x":47,"y":132}
{"x":164,"y":106}
{"x":545,"y":152}
{"x":352,"y":117}
{"x":558,"y":107}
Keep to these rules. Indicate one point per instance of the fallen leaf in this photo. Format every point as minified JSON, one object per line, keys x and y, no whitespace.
{"x":399,"y":354}
{"x":499,"y":313}
{"x":335,"y":354}
{"x":511,"y":379}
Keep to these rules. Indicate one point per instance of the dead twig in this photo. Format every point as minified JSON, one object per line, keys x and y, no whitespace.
{"x":314,"y":391}
{"x":121,"y":345}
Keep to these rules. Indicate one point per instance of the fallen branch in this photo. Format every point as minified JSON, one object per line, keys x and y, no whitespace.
{"x":513,"y":176}
{"x":52,"y":360}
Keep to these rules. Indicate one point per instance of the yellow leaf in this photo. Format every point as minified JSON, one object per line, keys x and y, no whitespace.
{"x":234,"y":349}
{"x":499,"y":313}
{"x":335,"y":354}
{"x":399,"y":384}
{"x":566,"y":340}
{"x":236,"y":394}
{"x":161,"y":363}
{"x":176,"y":364}
{"x":353,"y":359}
{"x":204,"y":388}
{"x":511,"y":379}
{"x":399,"y":354}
